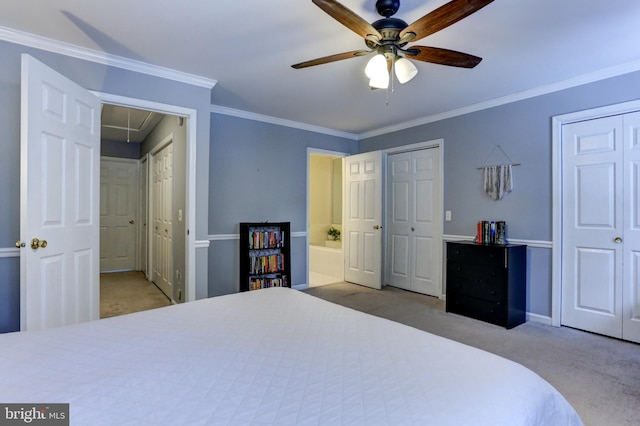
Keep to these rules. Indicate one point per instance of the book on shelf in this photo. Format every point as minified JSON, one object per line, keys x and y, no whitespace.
{"x":491,"y":232}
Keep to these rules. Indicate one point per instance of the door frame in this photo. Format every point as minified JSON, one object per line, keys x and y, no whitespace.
{"x":557,"y":122}
{"x":329,"y":154}
{"x":434,"y":143}
{"x":190,"y":207}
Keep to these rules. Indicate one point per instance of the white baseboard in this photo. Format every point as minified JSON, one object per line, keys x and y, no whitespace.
{"x":540,"y":319}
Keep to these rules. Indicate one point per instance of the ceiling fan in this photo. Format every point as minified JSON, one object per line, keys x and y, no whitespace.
{"x":388,"y":38}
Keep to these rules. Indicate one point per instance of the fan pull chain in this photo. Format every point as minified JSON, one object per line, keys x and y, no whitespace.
{"x":128,"y":125}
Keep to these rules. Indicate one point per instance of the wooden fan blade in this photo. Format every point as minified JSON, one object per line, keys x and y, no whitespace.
{"x":347,"y":18}
{"x":443,"y":16}
{"x":331,"y":58}
{"x":440,"y":56}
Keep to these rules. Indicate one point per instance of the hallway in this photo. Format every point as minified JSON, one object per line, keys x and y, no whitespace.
{"x":127,"y":292}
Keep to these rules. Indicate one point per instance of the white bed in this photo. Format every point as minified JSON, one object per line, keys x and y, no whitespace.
{"x":273,"y":356}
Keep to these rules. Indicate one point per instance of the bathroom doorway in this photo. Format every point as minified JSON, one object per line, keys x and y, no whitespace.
{"x":324,"y":217}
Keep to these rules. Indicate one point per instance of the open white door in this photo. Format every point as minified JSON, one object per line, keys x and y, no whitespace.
{"x":59,"y":200}
{"x":363,"y":223}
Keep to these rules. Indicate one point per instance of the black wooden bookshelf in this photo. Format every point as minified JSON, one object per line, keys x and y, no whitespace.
{"x":265,"y":255}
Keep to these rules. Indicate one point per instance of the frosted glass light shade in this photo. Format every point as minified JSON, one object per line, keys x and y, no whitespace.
{"x":405,"y":70}
{"x":381,"y":82}
{"x":377,"y":72}
{"x":376,"y":66}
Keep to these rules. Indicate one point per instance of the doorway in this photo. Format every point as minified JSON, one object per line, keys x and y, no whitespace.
{"x":157,"y":144}
{"x":185,"y":241}
{"x":324,"y":217}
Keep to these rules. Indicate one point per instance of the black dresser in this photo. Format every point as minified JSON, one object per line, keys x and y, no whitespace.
{"x":487,"y":282}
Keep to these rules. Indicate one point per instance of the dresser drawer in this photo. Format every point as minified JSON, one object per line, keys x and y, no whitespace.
{"x":477,"y":254}
{"x":491,"y":312}
{"x":471,"y":272}
{"x":478,"y":287}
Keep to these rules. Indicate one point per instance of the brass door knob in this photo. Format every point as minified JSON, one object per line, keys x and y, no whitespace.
{"x":20,"y":244}
{"x":36,"y":244}
{"x":132,"y":221}
{"x":618,"y":240}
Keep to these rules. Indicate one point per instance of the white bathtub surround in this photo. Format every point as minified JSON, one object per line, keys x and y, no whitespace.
{"x":326,"y":263}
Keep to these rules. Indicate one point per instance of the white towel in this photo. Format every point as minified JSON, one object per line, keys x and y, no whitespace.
{"x":498,"y":181}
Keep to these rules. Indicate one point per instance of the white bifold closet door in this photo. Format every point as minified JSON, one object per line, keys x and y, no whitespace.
{"x":601,"y":226}
{"x":162,"y":219}
{"x":413,"y":218}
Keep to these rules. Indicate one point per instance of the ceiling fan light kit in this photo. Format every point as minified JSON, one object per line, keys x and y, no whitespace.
{"x":387,"y":39}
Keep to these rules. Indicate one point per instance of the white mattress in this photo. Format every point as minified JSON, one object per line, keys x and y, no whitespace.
{"x":274,"y":356}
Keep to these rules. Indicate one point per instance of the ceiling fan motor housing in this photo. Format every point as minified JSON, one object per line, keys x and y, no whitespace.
{"x":387,"y":8}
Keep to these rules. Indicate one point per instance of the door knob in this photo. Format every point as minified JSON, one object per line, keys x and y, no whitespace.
{"x":132,"y":221}
{"x":20,"y":244}
{"x":36,"y":244}
{"x":377,"y":227}
{"x":618,"y":240}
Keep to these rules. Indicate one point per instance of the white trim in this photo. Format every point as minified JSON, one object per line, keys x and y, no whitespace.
{"x":528,"y":243}
{"x":217,"y":109}
{"x":190,"y":204}
{"x":416,"y":146}
{"x":540,"y":319}
{"x":514,"y":97}
{"x":9,"y":252}
{"x":91,"y":55}
{"x":556,"y":169}
{"x":200,"y":244}
{"x":230,"y":237}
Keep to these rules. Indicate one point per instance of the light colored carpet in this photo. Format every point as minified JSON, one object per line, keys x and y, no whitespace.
{"x":128,"y":292}
{"x":599,"y":376}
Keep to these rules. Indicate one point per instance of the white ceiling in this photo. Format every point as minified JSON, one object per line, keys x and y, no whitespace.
{"x":122,"y":124}
{"x":248,"y":47}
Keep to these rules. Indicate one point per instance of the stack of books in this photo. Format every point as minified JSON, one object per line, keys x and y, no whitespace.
{"x":491,"y":232}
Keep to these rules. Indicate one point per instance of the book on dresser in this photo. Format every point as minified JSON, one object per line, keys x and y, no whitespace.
{"x":487,"y":282}
{"x":265,"y":256}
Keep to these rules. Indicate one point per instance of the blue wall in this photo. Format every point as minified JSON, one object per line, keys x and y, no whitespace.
{"x":258,"y":172}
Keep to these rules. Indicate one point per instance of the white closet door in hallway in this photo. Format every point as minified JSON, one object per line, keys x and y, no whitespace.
{"x":413,"y":218}
{"x":601,"y":226}
{"x":162,"y":219}
{"x":118,"y":214}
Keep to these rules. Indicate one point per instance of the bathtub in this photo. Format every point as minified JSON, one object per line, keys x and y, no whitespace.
{"x":326,"y":262}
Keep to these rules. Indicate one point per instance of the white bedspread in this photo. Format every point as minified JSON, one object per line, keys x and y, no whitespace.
{"x":274,"y":356}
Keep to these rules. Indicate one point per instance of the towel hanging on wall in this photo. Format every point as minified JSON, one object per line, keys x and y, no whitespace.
{"x":498,"y":179}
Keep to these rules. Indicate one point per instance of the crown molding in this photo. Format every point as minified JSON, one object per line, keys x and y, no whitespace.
{"x":526,"y":94}
{"x":217,"y":109}
{"x":91,"y":55}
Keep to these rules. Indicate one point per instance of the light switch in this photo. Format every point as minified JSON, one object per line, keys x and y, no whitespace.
{"x":179,"y":215}
{"x":447,"y":215}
